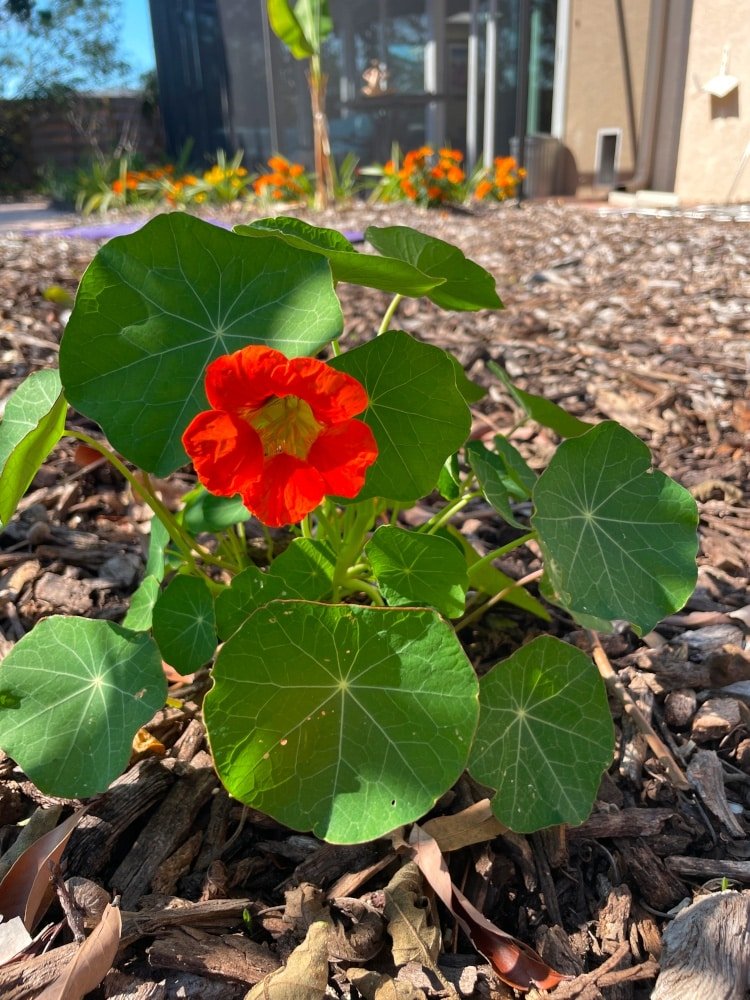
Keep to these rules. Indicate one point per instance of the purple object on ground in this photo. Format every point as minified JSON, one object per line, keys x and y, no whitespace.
{"x":107,"y":230}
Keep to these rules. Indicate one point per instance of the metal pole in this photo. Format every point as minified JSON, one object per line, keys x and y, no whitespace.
{"x":273,"y":124}
{"x":625,"y":56}
{"x":472,"y":86}
{"x":522,"y":80}
{"x":490,"y":84}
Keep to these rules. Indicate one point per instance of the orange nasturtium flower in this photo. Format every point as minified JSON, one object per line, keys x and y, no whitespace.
{"x":280,"y":433}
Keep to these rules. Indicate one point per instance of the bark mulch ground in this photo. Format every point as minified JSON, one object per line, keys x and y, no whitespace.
{"x":641,"y":319}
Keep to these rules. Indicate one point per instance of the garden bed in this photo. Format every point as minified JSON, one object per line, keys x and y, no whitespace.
{"x":640,"y":319}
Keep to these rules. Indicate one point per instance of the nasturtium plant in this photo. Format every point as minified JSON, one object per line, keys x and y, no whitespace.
{"x":330,"y":615}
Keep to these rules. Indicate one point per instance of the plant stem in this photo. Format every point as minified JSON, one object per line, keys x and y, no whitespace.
{"x":143,"y":489}
{"x":354,"y":585}
{"x":443,"y":516}
{"x":503,"y":550}
{"x":495,"y":599}
{"x":389,"y":313}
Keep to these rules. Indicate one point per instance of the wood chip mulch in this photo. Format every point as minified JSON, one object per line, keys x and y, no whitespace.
{"x":641,"y":319}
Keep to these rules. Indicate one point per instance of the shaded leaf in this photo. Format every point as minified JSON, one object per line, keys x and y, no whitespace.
{"x":154,"y":308}
{"x":33,"y":423}
{"x":467,"y":285}
{"x":514,"y":962}
{"x":140,"y":614}
{"x":203,"y":511}
{"x":92,"y":961}
{"x":545,"y":735}
{"x":545,"y":412}
{"x":619,"y":538}
{"x":471,"y":391}
{"x":304,"y":570}
{"x":74,"y":693}
{"x":333,"y":718}
{"x":25,"y":890}
{"x":347,"y":264}
{"x":305,"y":973}
{"x":493,"y":480}
{"x":517,"y":466}
{"x":412,"y":568}
{"x":184,"y":623}
{"x":418,"y":416}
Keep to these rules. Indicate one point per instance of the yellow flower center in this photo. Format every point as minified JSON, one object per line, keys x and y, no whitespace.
{"x":286,"y":425}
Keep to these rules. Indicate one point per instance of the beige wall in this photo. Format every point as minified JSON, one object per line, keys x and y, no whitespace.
{"x":596,"y":80}
{"x":715,"y":133}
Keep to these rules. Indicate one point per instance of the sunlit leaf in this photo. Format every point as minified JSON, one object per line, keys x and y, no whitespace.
{"x":335,"y":718}
{"x":73,"y":692}
{"x":619,"y":538}
{"x":32,"y":424}
{"x":416,"y":413}
{"x":412,"y":568}
{"x":154,"y":308}
{"x":347,"y":264}
{"x":545,"y":735}
{"x":494,"y":481}
{"x":467,"y":285}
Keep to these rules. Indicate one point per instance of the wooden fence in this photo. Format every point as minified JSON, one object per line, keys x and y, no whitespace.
{"x":40,"y":134}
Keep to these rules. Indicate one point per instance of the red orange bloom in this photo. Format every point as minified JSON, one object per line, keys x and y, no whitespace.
{"x":280,"y":433}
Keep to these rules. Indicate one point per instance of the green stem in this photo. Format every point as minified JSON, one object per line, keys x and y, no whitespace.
{"x":498,"y":553}
{"x":358,"y":520}
{"x":306,"y":527}
{"x":389,"y":313}
{"x":495,"y":599}
{"x":355,"y":585}
{"x":442,"y":517}
{"x":336,"y":347}
{"x":143,"y":489}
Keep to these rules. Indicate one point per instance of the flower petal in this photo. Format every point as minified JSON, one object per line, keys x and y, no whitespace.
{"x":226,"y":452}
{"x":246,"y":379}
{"x":342,"y":455}
{"x":288,"y":490}
{"x":333,"y":396}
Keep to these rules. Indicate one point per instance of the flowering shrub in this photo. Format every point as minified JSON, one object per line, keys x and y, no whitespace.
{"x":501,"y":182}
{"x":285,"y":181}
{"x":342,"y":700}
{"x":425,"y":177}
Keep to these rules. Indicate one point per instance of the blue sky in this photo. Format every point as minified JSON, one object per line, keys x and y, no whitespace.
{"x":137,"y":41}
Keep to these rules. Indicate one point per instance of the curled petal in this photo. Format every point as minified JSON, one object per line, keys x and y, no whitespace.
{"x":333,"y":396}
{"x":225,"y":450}
{"x":246,"y":379}
{"x":289,"y":489}
{"x":342,"y":455}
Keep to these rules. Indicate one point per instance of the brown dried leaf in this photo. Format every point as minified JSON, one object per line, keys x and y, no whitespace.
{"x":374,"y":986}
{"x":514,"y":962}
{"x":474,"y":825}
{"x":26,"y":891}
{"x":92,"y":961}
{"x":414,"y":940}
{"x":305,"y":973}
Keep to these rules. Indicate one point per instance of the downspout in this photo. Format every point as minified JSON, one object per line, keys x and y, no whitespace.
{"x":625,"y":56}
{"x":657,"y":36}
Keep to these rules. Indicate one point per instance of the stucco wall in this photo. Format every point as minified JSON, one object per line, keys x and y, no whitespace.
{"x":715,"y":133}
{"x":596,"y":91}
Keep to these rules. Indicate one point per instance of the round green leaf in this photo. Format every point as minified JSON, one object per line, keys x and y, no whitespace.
{"x":416,"y":412}
{"x":545,"y":735}
{"x":347,"y":264}
{"x":154,"y":308}
{"x":346,"y":720}
{"x":32,"y":424}
{"x":203,"y":511}
{"x":418,"y":569}
{"x":618,"y":537}
{"x":467,"y":286}
{"x":73,"y":693}
{"x":184,"y":623}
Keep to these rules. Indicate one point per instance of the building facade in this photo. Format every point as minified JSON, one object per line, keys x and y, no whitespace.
{"x":633,"y":94}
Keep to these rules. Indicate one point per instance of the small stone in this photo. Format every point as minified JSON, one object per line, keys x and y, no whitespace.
{"x":715,"y":718}
{"x":679,"y":707}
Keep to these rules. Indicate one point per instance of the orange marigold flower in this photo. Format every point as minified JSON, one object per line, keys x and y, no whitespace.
{"x":434,"y":193}
{"x":455,"y":175}
{"x":389,"y":168}
{"x":278,"y":164}
{"x":408,"y":188}
{"x":296,"y":170}
{"x":280,"y":433}
{"x":483,"y":188}
{"x":117,"y":186}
